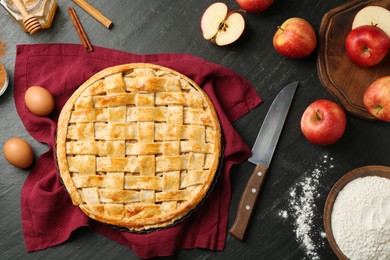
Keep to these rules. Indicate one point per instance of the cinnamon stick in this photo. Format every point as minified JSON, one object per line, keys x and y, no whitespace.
{"x":95,"y":13}
{"x":80,"y":30}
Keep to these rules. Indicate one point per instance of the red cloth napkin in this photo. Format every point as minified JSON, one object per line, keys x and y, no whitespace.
{"x":48,"y":215}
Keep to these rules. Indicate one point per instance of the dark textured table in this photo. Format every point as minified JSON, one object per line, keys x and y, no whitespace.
{"x":287,"y":222}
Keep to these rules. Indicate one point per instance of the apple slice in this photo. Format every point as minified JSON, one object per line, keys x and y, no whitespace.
{"x":221,"y":26}
{"x":373,"y":15}
{"x":214,"y":15}
{"x":231,"y":29}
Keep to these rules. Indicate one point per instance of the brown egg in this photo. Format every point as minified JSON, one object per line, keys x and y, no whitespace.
{"x":18,"y":153}
{"x":39,"y":101}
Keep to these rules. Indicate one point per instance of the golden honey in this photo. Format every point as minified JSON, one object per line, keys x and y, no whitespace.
{"x":43,"y":10}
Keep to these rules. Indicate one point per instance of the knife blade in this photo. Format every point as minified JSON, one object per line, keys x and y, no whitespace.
{"x":262,"y":153}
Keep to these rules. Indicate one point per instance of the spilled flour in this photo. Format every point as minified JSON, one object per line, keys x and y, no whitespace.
{"x":303,"y":211}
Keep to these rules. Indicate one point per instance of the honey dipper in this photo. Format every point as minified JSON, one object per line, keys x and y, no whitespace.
{"x":30,"y":22}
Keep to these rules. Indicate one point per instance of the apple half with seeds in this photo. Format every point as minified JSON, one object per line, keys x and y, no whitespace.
{"x":373,"y":15}
{"x":221,"y":26}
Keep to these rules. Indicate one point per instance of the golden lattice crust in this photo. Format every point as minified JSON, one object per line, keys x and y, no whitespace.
{"x":138,"y":146}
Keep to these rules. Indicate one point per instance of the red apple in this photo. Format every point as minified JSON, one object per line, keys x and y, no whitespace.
{"x":367,"y":45}
{"x":323,"y":122}
{"x":295,"y":38}
{"x":377,"y":98}
{"x":254,"y":6}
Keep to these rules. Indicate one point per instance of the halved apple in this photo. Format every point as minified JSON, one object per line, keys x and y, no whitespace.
{"x":373,"y":15}
{"x":221,"y":26}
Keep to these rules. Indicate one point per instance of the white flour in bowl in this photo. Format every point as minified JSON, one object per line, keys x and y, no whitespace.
{"x":361,"y":218}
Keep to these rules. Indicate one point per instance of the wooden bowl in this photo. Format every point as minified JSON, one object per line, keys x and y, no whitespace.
{"x":375,"y":170}
{"x":337,"y":73}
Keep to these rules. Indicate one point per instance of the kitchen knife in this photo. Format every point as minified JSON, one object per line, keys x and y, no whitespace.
{"x":262,"y":152}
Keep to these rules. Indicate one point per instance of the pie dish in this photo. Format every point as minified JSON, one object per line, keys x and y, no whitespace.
{"x":138,"y":146}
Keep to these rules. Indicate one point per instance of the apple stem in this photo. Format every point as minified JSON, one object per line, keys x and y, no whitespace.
{"x":318,"y":115}
{"x":379,"y":109}
{"x":280,"y":28}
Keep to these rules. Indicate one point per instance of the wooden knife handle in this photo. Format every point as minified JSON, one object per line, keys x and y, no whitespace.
{"x":248,"y":201}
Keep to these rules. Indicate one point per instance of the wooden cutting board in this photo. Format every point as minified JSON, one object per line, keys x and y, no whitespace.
{"x":337,"y":73}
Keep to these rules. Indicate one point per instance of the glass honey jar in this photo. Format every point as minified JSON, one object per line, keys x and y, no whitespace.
{"x":43,"y":10}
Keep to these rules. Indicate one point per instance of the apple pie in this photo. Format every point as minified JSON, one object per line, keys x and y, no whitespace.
{"x":138,"y":146}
